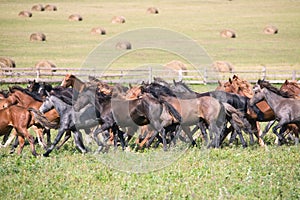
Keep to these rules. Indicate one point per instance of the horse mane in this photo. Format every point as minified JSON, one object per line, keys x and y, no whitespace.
{"x":64,"y":94}
{"x":26,"y":91}
{"x":183,"y":85}
{"x":157,"y":89}
{"x":4,"y":93}
{"x":267,"y":85}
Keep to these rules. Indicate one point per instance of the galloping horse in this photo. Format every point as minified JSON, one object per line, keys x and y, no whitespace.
{"x":20,"y":119}
{"x":205,"y":109}
{"x":286,"y":109}
{"x":114,"y":108}
{"x":291,"y":87}
{"x":67,"y":122}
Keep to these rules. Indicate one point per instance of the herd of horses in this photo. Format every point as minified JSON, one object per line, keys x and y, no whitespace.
{"x":159,"y":112}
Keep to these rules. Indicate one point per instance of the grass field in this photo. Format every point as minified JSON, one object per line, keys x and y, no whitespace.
{"x":197,"y":173}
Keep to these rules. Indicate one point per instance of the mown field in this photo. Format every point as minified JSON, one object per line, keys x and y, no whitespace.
{"x":232,"y":172}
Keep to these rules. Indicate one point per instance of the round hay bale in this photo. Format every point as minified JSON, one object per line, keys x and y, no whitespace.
{"x":118,"y":20}
{"x":98,"y":31}
{"x":152,"y":10}
{"x":176,"y":65}
{"x":270,"y":30}
{"x":7,"y":62}
{"x":227,"y":33}
{"x":45,"y":66}
{"x":223,"y":66}
{"x":25,"y":14}
{"x":37,"y":37}
{"x":124,"y":45}
{"x":38,"y":7}
{"x":50,"y":7}
{"x":75,"y":17}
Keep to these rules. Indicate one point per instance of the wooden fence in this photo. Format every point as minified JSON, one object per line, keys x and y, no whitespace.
{"x":202,"y":76}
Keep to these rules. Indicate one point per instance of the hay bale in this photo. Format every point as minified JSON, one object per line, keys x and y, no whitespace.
{"x":152,"y":10}
{"x":124,"y":45}
{"x":45,"y":66}
{"x":223,"y":66}
{"x":226,"y":33}
{"x":270,"y":30}
{"x":50,"y":7}
{"x":118,"y":20}
{"x":25,"y":13}
{"x":38,"y":7}
{"x":75,"y":17}
{"x":37,"y":37}
{"x":98,"y":31}
{"x":176,"y":65}
{"x":6,"y":62}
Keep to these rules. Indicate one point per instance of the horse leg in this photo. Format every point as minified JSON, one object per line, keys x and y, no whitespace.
{"x":266,"y":130}
{"x":56,"y":140}
{"x":40,"y":137}
{"x":47,"y":132}
{"x":120,"y":135}
{"x":25,"y":134}
{"x":21,"y":141}
{"x":66,"y":138}
{"x":186,"y":129}
{"x":78,"y":141}
{"x":279,"y":135}
{"x":15,"y":145}
{"x":10,"y":138}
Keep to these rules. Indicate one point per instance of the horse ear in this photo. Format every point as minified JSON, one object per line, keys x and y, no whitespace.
{"x":220,"y":83}
{"x":174,"y":82}
{"x":48,"y":94}
{"x":130,"y":86}
{"x":230,"y":81}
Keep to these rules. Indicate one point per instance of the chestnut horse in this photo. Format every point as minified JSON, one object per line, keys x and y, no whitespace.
{"x":25,"y":99}
{"x":20,"y":119}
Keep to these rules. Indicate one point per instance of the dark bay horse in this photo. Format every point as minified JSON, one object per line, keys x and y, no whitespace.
{"x":205,"y":109}
{"x":286,"y":109}
{"x":18,"y":118}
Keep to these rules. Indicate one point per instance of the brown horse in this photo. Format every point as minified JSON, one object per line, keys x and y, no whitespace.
{"x":292,"y":88}
{"x":20,"y":119}
{"x":25,"y":100}
{"x":72,"y":81}
{"x":205,"y":110}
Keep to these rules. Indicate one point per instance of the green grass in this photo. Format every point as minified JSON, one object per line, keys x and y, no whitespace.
{"x":230,"y":173}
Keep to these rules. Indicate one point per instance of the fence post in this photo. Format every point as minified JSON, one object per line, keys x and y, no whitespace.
{"x":150,"y":74}
{"x":37,"y":74}
{"x":294,"y":75}
{"x":264,"y":73}
{"x":180,"y":75}
{"x":205,"y":76}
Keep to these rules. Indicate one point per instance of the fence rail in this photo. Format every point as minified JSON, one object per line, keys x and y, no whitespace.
{"x":202,"y":76}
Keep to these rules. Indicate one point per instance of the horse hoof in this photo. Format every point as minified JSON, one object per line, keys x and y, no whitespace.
{"x":46,"y":154}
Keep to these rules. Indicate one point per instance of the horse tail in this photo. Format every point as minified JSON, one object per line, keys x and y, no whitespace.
{"x":172,"y":110}
{"x":41,"y":119}
{"x":236,"y":115}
